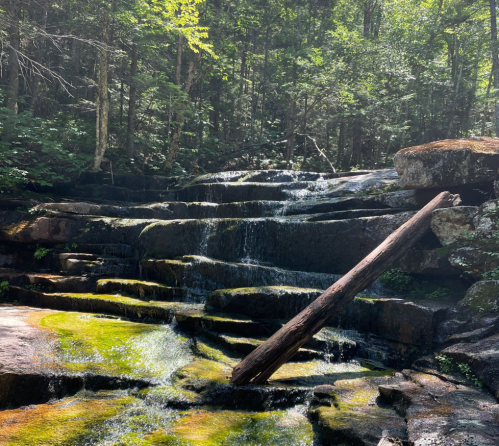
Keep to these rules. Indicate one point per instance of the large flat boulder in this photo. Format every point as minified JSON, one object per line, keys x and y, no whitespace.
{"x":442,"y":413}
{"x":449,"y":162}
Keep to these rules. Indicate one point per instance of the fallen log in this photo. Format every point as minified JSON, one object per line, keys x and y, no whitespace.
{"x":260,"y":364}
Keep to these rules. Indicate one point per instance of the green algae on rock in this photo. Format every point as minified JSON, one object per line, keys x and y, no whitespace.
{"x":93,"y":344}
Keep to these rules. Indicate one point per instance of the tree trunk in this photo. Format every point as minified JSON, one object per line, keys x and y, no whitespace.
{"x":37,"y":84}
{"x":132,"y":102}
{"x":495,"y":59}
{"x":177,"y":129}
{"x":290,"y":121}
{"x":14,"y":68}
{"x":103,"y":94}
{"x":259,"y":365}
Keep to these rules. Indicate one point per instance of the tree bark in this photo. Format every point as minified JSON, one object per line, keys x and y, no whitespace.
{"x":495,"y":59}
{"x":132,"y":102}
{"x":180,"y":117}
{"x":14,"y":68}
{"x":102,"y":120}
{"x":259,"y":365}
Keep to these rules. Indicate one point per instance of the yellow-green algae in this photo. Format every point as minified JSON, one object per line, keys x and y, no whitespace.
{"x":273,"y":428}
{"x":62,"y":423}
{"x":87,"y":343}
{"x":127,"y":301}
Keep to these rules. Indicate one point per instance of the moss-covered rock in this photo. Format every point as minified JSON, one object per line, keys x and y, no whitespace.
{"x":448,"y":163}
{"x":141,"y":289}
{"x":357,"y":417}
{"x":482,"y":297}
{"x":102,"y":303}
{"x":275,"y":302}
{"x":198,"y":321}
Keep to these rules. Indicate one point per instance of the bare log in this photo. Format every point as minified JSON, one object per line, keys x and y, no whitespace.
{"x":260,"y":364}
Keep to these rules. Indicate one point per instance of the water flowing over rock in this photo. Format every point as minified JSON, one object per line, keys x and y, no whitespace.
{"x":129,"y":300}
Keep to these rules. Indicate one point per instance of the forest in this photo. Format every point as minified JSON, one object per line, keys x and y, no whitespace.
{"x":173,"y":87}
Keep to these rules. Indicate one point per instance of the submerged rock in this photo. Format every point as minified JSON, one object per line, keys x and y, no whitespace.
{"x":448,"y":163}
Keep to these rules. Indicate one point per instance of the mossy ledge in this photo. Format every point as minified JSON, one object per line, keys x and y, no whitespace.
{"x":128,"y":307}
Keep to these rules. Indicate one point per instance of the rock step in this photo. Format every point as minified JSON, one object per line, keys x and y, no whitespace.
{"x":346,"y":207}
{"x":199,"y":321}
{"x":86,"y":264}
{"x":274,"y":302}
{"x":355,"y":213}
{"x":292,"y":244}
{"x":318,"y":347}
{"x":202,"y":275}
{"x":128,"y":307}
{"x":245,"y":345}
{"x":281,"y":242}
{"x":62,"y":284}
{"x":141,"y":289}
{"x":407,"y":321}
{"x":229,"y":192}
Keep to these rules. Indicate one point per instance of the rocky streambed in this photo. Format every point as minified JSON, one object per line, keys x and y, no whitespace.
{"x":126,"y":301}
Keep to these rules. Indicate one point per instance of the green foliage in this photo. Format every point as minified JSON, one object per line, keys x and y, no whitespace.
{"x":41,"y":252}
{"x":40,"y":152}
{"x":4,"y":287}
{"x":448,"y":365}
{"x":403,"y":283}
{"x":396,"y":280}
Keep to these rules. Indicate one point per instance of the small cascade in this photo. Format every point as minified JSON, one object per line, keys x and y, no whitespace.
{"x":142,"y":310}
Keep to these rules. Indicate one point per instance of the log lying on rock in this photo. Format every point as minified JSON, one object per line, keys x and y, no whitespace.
{"x":259,"y":365}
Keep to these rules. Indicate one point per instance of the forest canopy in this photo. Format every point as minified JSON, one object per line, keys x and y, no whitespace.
{"x":171,"y":87}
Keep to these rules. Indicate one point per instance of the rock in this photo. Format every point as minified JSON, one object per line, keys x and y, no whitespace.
{"x":198,"y":321}
{"x":448,"y":163}
{"x":276,"y":302}
{"x":482,"y":297}
{"x":483,"y":359}
{"x":291,"y":244}
{"x":453,"y":224}
{"x":408,"y":322}
{"x":128,"y":307}
{"x":442,"y":413}
{"x":202,"y":275}
{"x":141,"y":289}
{"x":429,"y":262}
{"x":358,"y":418}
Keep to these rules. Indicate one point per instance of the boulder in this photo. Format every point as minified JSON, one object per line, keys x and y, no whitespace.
{"x":453,"y":224}
{"x":442,"y":413}
{"x":482,"y":358}
{"x":448,"y":163}
{"x":482,"y":297}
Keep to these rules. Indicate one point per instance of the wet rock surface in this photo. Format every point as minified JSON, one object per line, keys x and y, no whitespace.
{"x":144,"y":292}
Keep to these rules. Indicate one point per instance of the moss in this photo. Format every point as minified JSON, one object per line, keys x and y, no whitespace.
{"x":128,"y":301}
{"x":62,"y":423}
{"x":201,"y":374}
{"x":271,"y":428}
{"x":208,"y":350}
{"x":313,"y":373}
{"x":116,"y":347}
{"x":167,"y":394}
